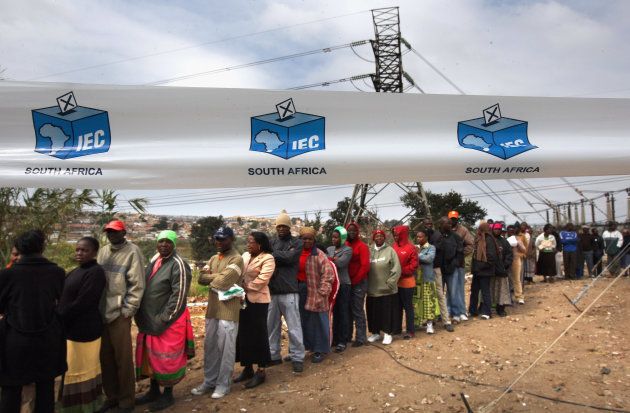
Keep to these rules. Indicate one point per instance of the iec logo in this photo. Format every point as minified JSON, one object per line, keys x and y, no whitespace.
{"x":287,"y":133}
{"x":493,"y":134}
{"x":69,"y":130}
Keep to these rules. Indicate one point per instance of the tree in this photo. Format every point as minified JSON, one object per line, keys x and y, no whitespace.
{"x":368,"y":221}
{"x":440,"y":204}
{"x":106,"y":202}
{"x":49,"y":210}
{"x":321,"y":239}
{"x":175,"y":227}
{"x":162,"y":224}
{"x":201,"y":231}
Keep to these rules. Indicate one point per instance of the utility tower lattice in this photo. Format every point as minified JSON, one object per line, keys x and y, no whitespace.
{"x":387,"y":53}
{"x":388,"y":78}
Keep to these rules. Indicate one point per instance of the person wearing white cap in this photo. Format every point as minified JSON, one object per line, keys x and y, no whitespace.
{"x":284,"y":295}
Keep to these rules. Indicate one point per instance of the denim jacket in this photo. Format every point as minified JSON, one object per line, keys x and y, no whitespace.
{"x":426,"y":257}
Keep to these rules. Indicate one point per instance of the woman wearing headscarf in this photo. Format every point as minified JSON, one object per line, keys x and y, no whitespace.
{"x":252,"y":341}
{"x":500,"y":283}
{"x":408,"y":259}
{"x":383,"y":306}
{"x":485,"y":259}
{"x":426,"y":297}
{"x":529,"y":261}
{"x":33,"y":347}
{"x":340,"y":254}
{"x":82,"y":386}
{"x":546,"y":246}
{"x":315,"y":281}
{"x":165,"y":341}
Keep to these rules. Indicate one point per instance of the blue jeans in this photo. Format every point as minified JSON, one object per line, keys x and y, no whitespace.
{"x":455,"y":293}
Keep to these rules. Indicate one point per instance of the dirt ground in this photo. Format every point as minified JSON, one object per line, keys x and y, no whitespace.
{"x":589,"y":365}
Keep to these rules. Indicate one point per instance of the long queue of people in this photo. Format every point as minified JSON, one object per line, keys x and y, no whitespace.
{"x":78,"y":325}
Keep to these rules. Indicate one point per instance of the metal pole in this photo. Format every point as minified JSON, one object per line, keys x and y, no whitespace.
{"x":582,"y":213}
{"x":593,"y":212}
{"x":568,"y":212}
{"x":608,"y":207}
{"x":612,"y":206}
{"x":577,"y":217}
{"x":547,"y":213}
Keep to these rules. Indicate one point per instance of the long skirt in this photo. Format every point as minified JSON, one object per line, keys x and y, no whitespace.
{"x":500,"y":291}
{"x":163,"y":358}
{"x":425,"y":302}
{"x":529,"y":267}
{"x":252,"y":341}
{"x":82,"y":388}
{"x":383,"y":313}
{"x":547,"y":264}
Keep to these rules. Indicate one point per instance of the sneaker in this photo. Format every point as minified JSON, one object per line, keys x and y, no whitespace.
{"x":456,"y":319}
{"x":430,"y":328}
{"x":218,"y":394}
{"x":449,"y":327}
{"x":463,"y":317}
{"x":409,"y":336}
{"x":373,"y":338}
{"x":521,"y":301}
{"x":340,"y":348}
{"x":201,"y":390}
{"x":298,"y":366}
{"x":387,"y":339}
{"x":485,"y":316}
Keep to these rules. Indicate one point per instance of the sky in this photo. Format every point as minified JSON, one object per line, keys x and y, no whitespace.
{"x":575,"y":48}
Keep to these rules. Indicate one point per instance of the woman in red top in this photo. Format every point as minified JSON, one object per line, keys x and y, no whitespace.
{"x":408,"y":258}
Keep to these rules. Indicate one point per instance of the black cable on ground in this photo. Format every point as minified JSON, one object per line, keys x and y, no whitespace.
{"x":494,"y":386}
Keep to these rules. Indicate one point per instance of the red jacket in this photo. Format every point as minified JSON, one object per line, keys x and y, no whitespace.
{"x":407,"y":256}
{"x":359,"y":266}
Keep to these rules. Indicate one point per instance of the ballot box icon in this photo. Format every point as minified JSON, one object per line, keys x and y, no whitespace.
{"x":494,"y":134}
{"x":287,"y":133}
{"x":69,"y":130}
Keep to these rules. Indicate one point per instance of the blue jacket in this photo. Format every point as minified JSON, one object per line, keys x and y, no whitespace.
{"x":425,"y":258}
{"x":569,"y":240}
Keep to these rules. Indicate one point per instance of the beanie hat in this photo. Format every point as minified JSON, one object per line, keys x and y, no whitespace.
{"x":343,"y":234}
{"x":283,"y":219}
{"x":169,"y":235}
{"x":307,"y":230}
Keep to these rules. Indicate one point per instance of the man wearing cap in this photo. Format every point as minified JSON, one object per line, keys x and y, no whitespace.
{"x":124,"y":270}
{"x":165,"y":340}
{"x":285,"y":300}
{"x":222,"y":271}
{"x":458,"y":308}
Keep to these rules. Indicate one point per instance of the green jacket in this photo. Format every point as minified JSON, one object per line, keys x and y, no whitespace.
{"x":384,"y":271}
{"x":124,"y":271}
{"x":164,"y":298}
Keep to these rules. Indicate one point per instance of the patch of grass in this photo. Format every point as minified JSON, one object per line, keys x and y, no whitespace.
{"x":197,"y":290}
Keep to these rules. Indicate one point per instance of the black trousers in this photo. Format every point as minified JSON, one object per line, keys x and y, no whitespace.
{"x":11,"y":400}
{"x":342,"y":321}
{"x":405,"y":295}
{"x":480,"y":284}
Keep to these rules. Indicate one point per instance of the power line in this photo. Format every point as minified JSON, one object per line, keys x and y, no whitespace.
{"x":226,"y":39}
{"x":330,"y":82}
{"x":258,"y":62}
{"x":428,"y":63}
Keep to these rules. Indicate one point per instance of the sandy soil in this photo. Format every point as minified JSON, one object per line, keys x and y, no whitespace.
{"x":589,"y":365}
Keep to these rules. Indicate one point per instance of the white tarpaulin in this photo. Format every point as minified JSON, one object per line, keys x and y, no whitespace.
{"x":166,"y":137}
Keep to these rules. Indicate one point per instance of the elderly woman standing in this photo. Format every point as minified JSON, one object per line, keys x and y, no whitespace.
{"x":315,"y":280}
{"x":165,"y":340}
{"x":500,"y":284}
{"x":546,"y":246}
{"x":33,"y":347}
{"x":252,"y":341}
{"x":82,"y":386}
{"x":485,"y":259}
{"x":383,"y":306}
{"x":340,"y":254}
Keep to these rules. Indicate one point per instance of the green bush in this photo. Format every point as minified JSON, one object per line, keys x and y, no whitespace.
{"x":196,"y":289}
{"x":62,"y":254}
